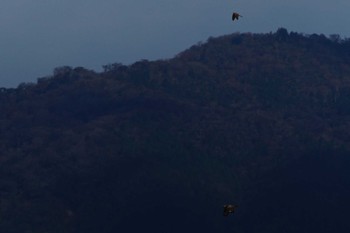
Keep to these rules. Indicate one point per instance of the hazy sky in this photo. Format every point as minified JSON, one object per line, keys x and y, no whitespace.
{"x":39,"y":35}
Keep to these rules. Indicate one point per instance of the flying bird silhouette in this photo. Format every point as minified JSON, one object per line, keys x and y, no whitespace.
{"x":235,"y":16}
{"x":229,"y":209}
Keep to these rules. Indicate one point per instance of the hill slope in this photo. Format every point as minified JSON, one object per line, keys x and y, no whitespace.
{"x":260,"y":120}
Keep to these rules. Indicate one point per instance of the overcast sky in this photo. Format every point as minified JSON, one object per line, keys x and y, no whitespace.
{"x":38,"y":35}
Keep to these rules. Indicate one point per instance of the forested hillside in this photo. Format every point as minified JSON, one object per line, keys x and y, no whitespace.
{"x":257,"y":120}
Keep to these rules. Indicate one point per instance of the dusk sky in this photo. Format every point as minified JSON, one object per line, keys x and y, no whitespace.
{"x":38,"y":35}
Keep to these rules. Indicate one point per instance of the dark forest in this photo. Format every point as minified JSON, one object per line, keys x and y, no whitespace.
{"x":257,"y":120}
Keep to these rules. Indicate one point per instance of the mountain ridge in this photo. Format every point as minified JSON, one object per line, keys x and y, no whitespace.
{"x":256,"y":119}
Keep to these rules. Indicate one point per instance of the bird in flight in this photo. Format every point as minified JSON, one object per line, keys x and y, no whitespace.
{"x":235,"y":16}
{"x":229,"y":209}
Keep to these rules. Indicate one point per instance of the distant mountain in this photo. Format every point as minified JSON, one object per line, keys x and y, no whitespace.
{"x":257,"y":120}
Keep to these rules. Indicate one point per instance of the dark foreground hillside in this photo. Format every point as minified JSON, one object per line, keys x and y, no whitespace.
{"x":257,"y":120}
